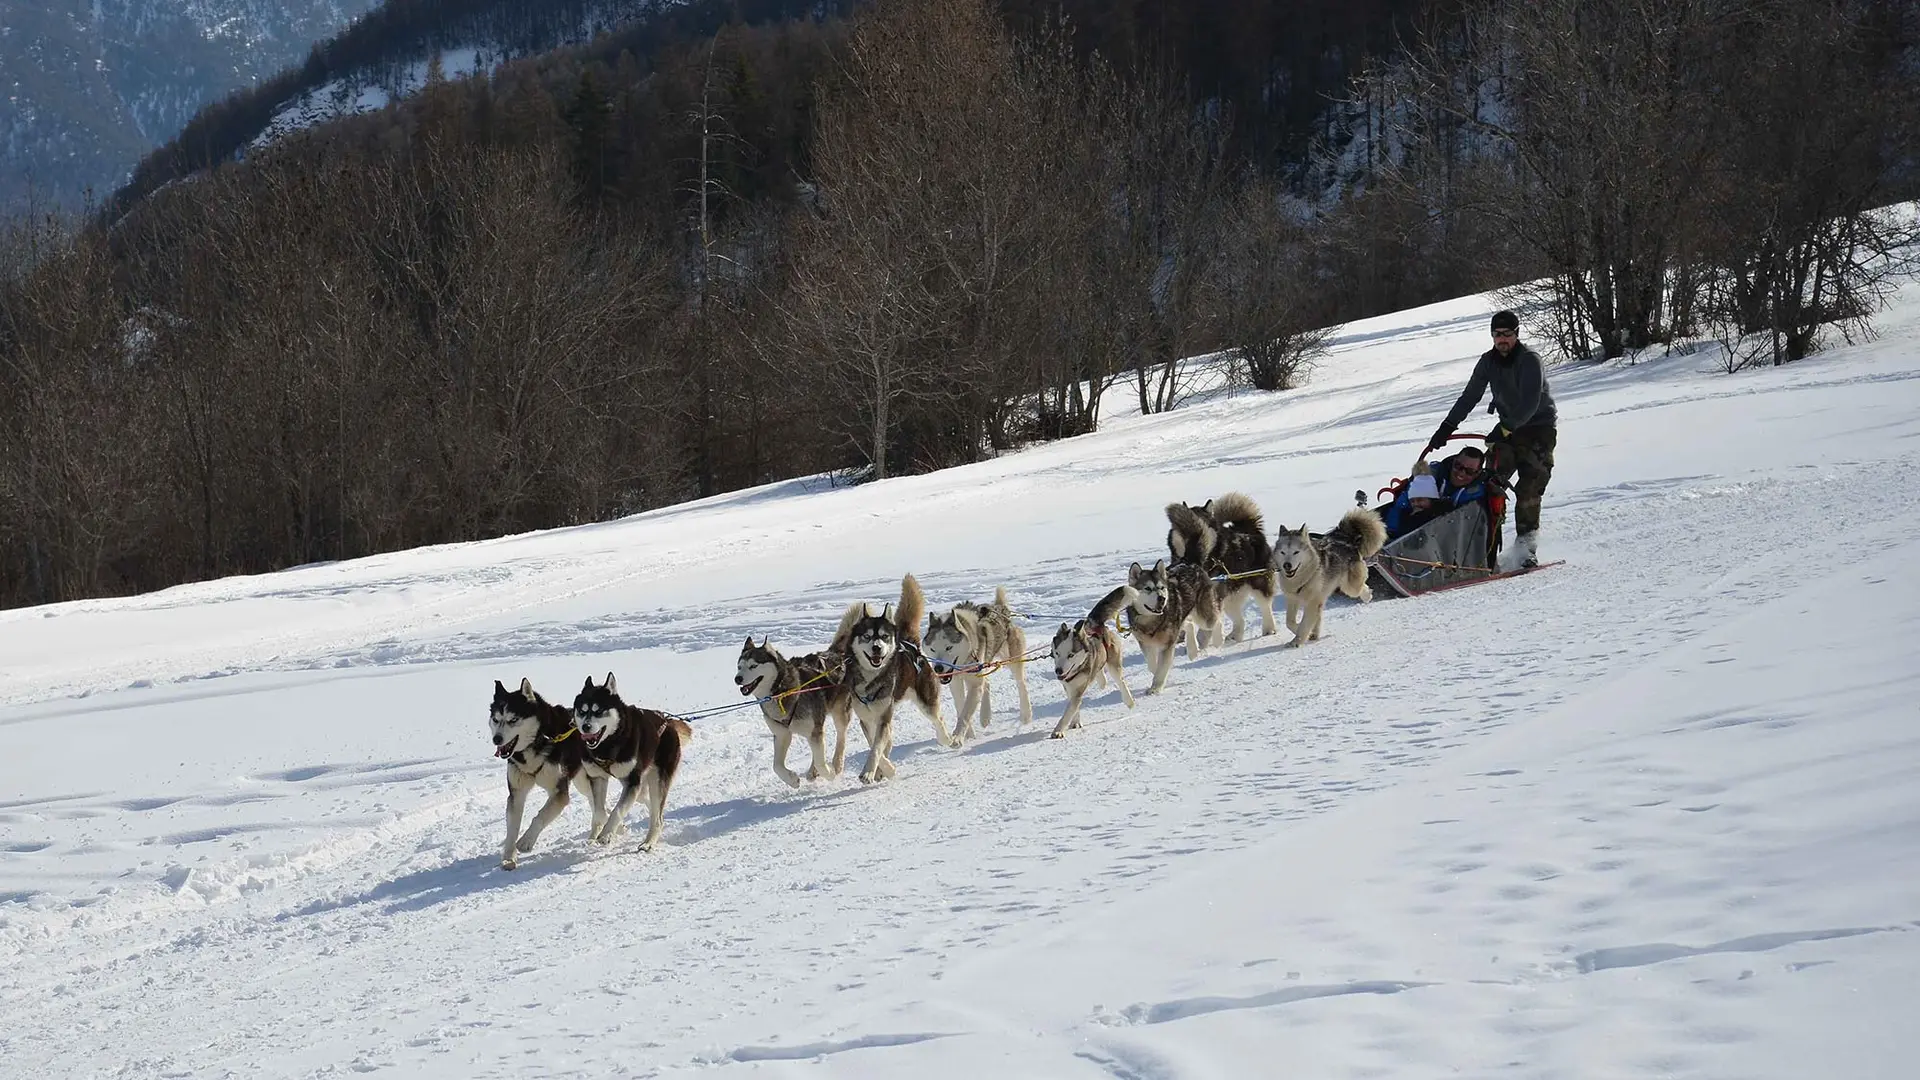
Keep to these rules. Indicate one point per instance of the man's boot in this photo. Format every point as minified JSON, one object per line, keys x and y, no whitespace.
{"x":1526,"y":549}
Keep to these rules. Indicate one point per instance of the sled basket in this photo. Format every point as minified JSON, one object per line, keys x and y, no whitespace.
{"x":1450,"y":550}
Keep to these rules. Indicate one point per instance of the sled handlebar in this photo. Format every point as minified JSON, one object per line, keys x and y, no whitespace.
{"x":1398,"y":483}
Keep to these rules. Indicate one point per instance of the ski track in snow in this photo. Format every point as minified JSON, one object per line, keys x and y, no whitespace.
{"x":1421,"y":845}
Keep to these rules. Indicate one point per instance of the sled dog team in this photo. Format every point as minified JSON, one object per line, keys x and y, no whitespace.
{"x":1219,"y":560}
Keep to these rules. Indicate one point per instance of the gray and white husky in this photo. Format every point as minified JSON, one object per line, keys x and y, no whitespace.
{"x":1167,"y":602}
{"x":638,"y":747}
{"x":799,"y":696}
{"x":968,"y":639}
{"x":1227,"y":538}
{"x":1085,"y":653}
{"x":885,"y":668}
{"x":1313,"y":567}
{"x":541,"y":748}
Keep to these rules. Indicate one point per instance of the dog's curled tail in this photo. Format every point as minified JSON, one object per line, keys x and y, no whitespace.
{"x":1364,"y":530}
{"x":1194,"y":534}
{"x":1000,"y":599}
{"x":1110,"y":605}
{"x":911,"y":612}
{"x":1238,"y":511}
{"x":685,"y":729}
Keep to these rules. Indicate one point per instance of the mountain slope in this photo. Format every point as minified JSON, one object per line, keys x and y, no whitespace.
{"x":1646,"y":813}
{"x":91,"y":86}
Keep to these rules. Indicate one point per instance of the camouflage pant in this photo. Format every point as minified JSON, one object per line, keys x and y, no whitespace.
{"x":1530,"y":452}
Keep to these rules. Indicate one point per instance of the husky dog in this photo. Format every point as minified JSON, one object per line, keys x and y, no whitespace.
{"x":538,"y":741}
{"x":1312,"y":567}
{"x":885,"y":669}
{"x":1085,"y":653}
{"x":1226,"y":537}
{"x":965,"y":640}
{"x":1167,"y":602}
{"x":815,"y":690}
{"x":638,"y":747}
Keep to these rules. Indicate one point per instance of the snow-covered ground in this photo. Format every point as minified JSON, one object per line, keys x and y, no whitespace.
{"x":1651,"y":813}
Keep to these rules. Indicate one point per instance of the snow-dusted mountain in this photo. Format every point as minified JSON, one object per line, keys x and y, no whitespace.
{"x":91,"y":85}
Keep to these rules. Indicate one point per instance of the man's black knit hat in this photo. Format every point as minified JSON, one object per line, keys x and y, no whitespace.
{"x":1506,"y":320}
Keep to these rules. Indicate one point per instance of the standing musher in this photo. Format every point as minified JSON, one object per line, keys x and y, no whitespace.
{"x":1523,"y":440}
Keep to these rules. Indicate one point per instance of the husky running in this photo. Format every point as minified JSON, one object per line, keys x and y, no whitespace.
{"x":798,"y":697}
{"x":1085,"y":653}
{"x":638,"y":747}
{"x":885,"y":668}
{"x":1313,"y":568}
{"x":965,"y":641}
{"x":1167,"y":603}
{"x":1226,"y":537}
{"x":541,"y":748}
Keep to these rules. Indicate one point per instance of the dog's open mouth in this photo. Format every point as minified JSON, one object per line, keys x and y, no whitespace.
{"x":507,"y":748}
{"x":592,"y":739}
{"x":946,"y":678}
{"x":876,"y":658}
{"x":1289,"y":570}
{"x":751,"y":689}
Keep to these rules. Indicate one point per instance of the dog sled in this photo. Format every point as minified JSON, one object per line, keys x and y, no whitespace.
{"x":1458,"y":548}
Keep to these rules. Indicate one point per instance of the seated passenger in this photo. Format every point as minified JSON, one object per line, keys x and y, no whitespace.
{"x":1462,"y":477}
{"x":1419,"y":503}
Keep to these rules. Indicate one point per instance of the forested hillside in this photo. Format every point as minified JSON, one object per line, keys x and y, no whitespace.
{"x":721,"y":244}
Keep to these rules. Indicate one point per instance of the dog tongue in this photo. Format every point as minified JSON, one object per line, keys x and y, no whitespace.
{"x":503,"y":750}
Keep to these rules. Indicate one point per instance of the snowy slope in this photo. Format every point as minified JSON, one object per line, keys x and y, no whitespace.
{"x":1647,"y":814}
{"x":368,"y":92}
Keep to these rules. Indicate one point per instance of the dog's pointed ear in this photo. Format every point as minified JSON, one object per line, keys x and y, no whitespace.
{"x":887,"y":613}
{"x":1303,"y":530}
{"x":499,"y":691}
{"x":526,"y":689}
{"x":589,"y":685}
{"x":610,"y":688}
{"x":749,"y":643}
{"x":1160,"y":566}
{"x":1133,"y":570}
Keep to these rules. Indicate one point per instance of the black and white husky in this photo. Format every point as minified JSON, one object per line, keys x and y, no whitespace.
{"x":542,"y":749}
{"x":1226,"y":537}
{"x":638,"y":747}
{"x":1085,"y":653}
{"x":966,"y":640}
{"x":798,"y":697}
{"x":1167,"y":602}
{"x":886,"y":668}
